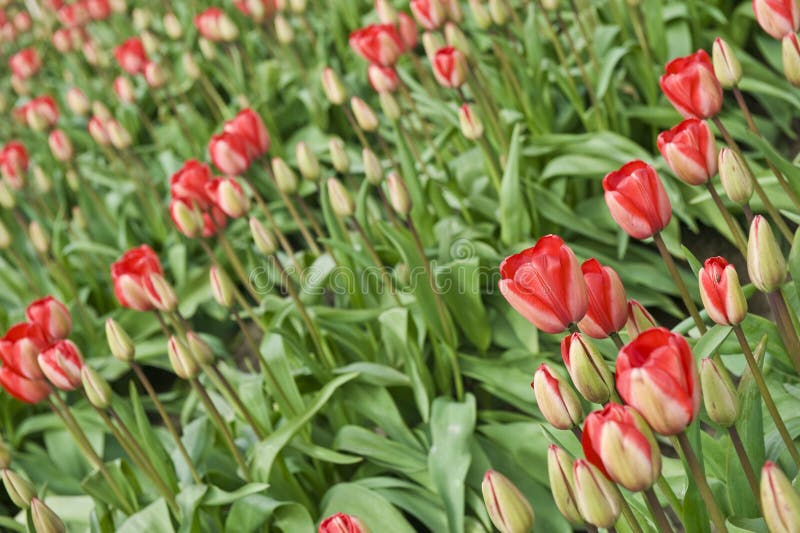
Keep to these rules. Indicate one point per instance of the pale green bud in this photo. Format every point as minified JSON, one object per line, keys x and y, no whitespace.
{"x":341,"y":201}
{"x":262,"y":237}
{"x":20,"y":491}
{"x":120,"y":344}
{"x":307,"y":162}
{"x":44,"y":519}
{"x":599,"y":500}
{"x":96,"y":387}
{"x":726,"y":65}
{"x":372,"y":166}
{"x":285,"y":178}
{"x":508,"y":508}
{"x":765,"y":262}
{"x":719,"y":394}
{"x":221,"y":287}
{"x":183,"y":364}
{"x":562,"y":487}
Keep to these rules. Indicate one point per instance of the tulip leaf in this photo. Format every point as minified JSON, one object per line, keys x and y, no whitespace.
{"x":370,"y":507}
{"x":711,"y":340}
{"x":515,"y":222}
{"x":154,"y":519}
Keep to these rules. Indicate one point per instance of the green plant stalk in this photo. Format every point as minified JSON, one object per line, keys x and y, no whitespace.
{"x":747,"y":466}
{"x":674,"y":502}
{"x":586,"y":37}
{"x":676,"y":277}
{"x":23,"y":267}
{"x":634,"y":14}
{"x":287,"y":202}
{"x":657,"y":511}
{"x":387,"y":280}
{"x":311,"y":219}
{"x":241,"y":273}
{"x":513,"y":82}
{"x":785,"y":327}
{"x":627,"y":512}
{"x":700,"y":479}
{"x":738,"y":235}
{"x":494,"y":166}
{"x":617,"y":340}
{"x":488,"y":109}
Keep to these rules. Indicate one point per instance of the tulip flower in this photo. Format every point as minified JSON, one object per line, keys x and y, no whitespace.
{"x":249,"y":126}
{"x":25,"y":63}
{"x":41,"y":113}
{"x":186,"y":217}
{"x":97,"y":389}
{"x":262,"y":237}
{"x":342,"y":523}
{"x":780,"y":501}
{"x":608,"y":307}
{"x":726,"y":65}
{"x":307,"y":162}
{"x":690,"y":151}
{"x":131,"y":56}
{"x":161,"y":293}
{"x":557,"y":401}
{"x":386,"y":12}
{"x":398,"y":194}
{"x":430,"y":14}
{"x":545,"y":285}
{"x":20,"y":491}
{"x":657,"y":376}
{"x":120,"y":344}
{"x":777,"y":17}
{"x":180,"y":358}
{"x":51,"y":316}
{"x":721,"y":292}
{"x":14,"y":164}
{"x":736,"y":178}
{"x":619,"y":442}
{"x":562,"y":486}
{"x":77,"y":101}
{"x":586,"y":367}
{"x":408,"y":31}
{"x":470,"y":123}
{"x":60,"y":145}
{"x":599,"y":500}
{"x":62,"y":364}
{"x":332,"y":85}
{"x":691,"y":86}
{"x":378,"y":43}
{"x":22,"y":388}
{"x":213,"y":24}
{"x":20,"y":348}
{"x":44,"y":519}
{"x":228,"y":195}
{"x":450,"y":67}
{"x":507,"y":507}
{"x":97,"y":130}
{"x":720,"y":397}
{"x":790,"y":54}
{"x":637,"y":199}
{"x":229,"y":153}
{"x":131,"y":277}
{"x":765,"y":262}
{"x":365,"y":117}
{"x":222,"y":288}
{"x":383,"y":79}
{"x":341,"y":201}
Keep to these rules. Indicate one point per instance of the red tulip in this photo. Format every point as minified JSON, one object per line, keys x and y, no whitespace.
{"x":131,"y":56}
{"x":556,"y":400}
{"x":131,"y":276}
{"x":450,"y":67}
{"x":51,"y":316}
{"x":98,"y":9}
{"x":691,"y":86}
{"x":248,"y":125}
{"x":62,"y":364}
{"x":430,"y":14}
{"x":23,"y":21}
{"x":721,"y":292}
{"x":690,"y":151}
{"x":229,"y":153}
{"x":20,"y":347}
{"x":214,"y":25}
{"x":14,"y":164}
{"x":62,"y":41}
{"x":97,"y":130}
{"x":657,"y":376}
{"x":777,"y":17}
{"x":618,"y":442}
{"x":73,"y":15}
{"x":25,"y":63}
{"x":60,"y":145}
{"x":545,"y":285}
{"x":123,"y":88}
{"x":342,"y":523}
{"x":608,"y":307}
{"x":378,"y":43}
{"x":23,"y":389}
{"x":41,"y":113}
{"x":383,"y":79}
{"x":408,"y":31}
{"x":637,"y":200}
{"x":189,"y":183}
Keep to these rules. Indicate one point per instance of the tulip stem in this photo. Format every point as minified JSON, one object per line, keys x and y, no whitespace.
{"x":674,"y":502}
{"x":287,"y":202}
{"x":662,"y":522}
{"x":287,"y":247}
{"x":617,"y":340}
{"x":673,"y":270}
{"x":702,"y":484}
{"x":627,"y":512}
{"x":227,"y":389}
{"x":237,"y":266}
{"x":768,"y":205}
{"x":785,"y":327}
{"x":162,"y":412}
{"x":758,"y":377}
{"x":736,"y":231}
{"x":747,"y":466}
{"x":387,"y":280}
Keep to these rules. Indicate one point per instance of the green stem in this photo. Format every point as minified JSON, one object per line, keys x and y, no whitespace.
{"x":785,"y":327}
{"x":662,"y":522}
{"x":617,"y":340}
{"x":736,"y":231}
{"x":702,"y":484}
{"x":676,"y":277}
{"x":230,"y":253}
{"x":627,"y":512}
{"x":387,"y":280}
{"x":747,"y":466}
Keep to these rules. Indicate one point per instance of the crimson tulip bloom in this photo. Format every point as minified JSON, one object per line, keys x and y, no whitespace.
{"x":22,"y":388}
{"x":408,"y":31}
{"x":98,"y":9}
{"x":229,"y":153}
{"x":189,"y":183}
{"x":637,"y":199}
{"x":430,"y":14}
{"x":777,"y":17}
{"x":450,"y":67}
{"x":51,"y":316}
{"x":21,"y":346}
{"x":619,"y":442}
{"x":131,"y":276}
{"x":342,"y":523}
{"x":383,"y":79}
{"x":60,"y":145}
{"x":545,"y":285}
{"x":251,"y":129}
{"x":214,"y":25}
{"x":131,"y":56}
{"x":690,"y":151}
{"x":41,"y":113}
{"x":25,"y":63}
{"x":608,"y":306}
{"x":378,"y":43}
{"x":691,"y":86}
{"x":62,"y":364}
{"x":657,"y":376}
{"x":14,"y":164}
{"x":721,"y":292}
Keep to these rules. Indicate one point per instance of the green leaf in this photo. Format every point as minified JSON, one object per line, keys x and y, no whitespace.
{"x":369,"y":506}
{"x":154,"y":519}
{"x":515,"y":222}
{"x":711,"y":340}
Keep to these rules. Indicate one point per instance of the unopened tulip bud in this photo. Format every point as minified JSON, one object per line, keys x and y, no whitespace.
{"x":365,"y":116}
{"x":499,"y":11}
{"x":120,"y":344}
{"x":550,"y":5}
{"x":183,"y":364}
{"x":586,"y":367}
{"x":73,"y":181}
{"x":398,"y":194}
{"x":599,"y":500}
{"x":557,"y":401}
{"x":77,"y":101}
{"x":229,"y":196}
{"x":453,"y":8}
{"x":172,"y":26}
{"x":726,"y":66}
{"x":341,"y":201}
{"x":719,"y":393}
{"x":332,"y":85}
{"x":227,"y":29}
{"x":77,"y":218}
{"x":482,"y":17}
{"x":386,"y":12}
{"x":44,"y":519}
{"x":507,"y":507}
{"x":38,"y":237}
{"x":150,"y":43}
{"x":562,"y":486}
{"x":60,"y":145}
{"x":736,"y":178}
{"x":791,"y":59}
{"x":20,"y":491}
{"x":285,"y":178}
{"x":765,"y":262}
{"x":96,"y":387}
{"x":141,"y":18}
{"x":780,"y":501}
{"x":201,"y":351}
{"x":456,"y":38}
{"x":118,"y":135}
{"x":372,"y":167}
{"x":471,"y":125}
{"x":342,"y":523}
{"x":161,"y":293}
{"x":262,"y":237}
{"x":118,"y":6}
{"x":639,"y":319}
{"x":190,"y":67}
{"x":154,"y":75}
{"x":432,"y":42}
{"x":5,"y":455}
{"x":284,"y":32}
{"x":450,"y":67}
{"x":298,"y":7}
{"x":307,"y":162}
{"x":221,"y":287}
{"x":20,"y":85}
{"x":188,"y":220}
{"x":41,"y":181}
{"x":389,"y":106}
{"x":339,"y":157}
{"x":207,"y":48}
{"x":721,"y":292}
{"x":7,"y":199}
{"x":5,"y":237}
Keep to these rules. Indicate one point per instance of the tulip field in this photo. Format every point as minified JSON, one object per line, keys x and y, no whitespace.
{"x":395,"y":266}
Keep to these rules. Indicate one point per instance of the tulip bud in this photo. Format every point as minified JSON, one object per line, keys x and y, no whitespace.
{"x":44,"y":519}
{"x":20,"y":85}
{"x":332,"y":85}
{"x":765,"y":262}
{"x":227,"y":29}
{"x":557,"y":401}
{"x":118,"y":135}
{"x":339,"y":157}
{"x":779,"y":500}
{"x":262,"y":237}
{"x":285,"y":178}
{"x":386,"y":12}
{"x":284,"y":32}
{"x":471,"y":125}
{"x":365,"y":116}
{"x":719,"y":393}
{"x":150,"y":43}
{"x":450,"y":67}
{"x":41,"y":180}
{"x":207,"y":48}
{"x":791,"y":59}
{"x":550,"y":5}
{"x":7,"y":200}
{"x":586,"y":367}
{"x":183,"y":364}
{"x":5,"y":455}
{"x":342,"y":523}
{"x":61,"y":363}
{"x":456,"y":38}
{"x":77,"y":101}
{"x":726,"y":65}
{"x":96,"y":388}
{"x":432,"y":42}
{"x":60,"y":145}
{"x":599,"y":500}
{"x":499,"y":11}
{"x":119,"y":342}
{"x":200,"y":350}
{"x":5,"y":237}
{"x":154,"y":75}
{"x":737,"y":180}
{"x":190,"y":67}
{"x":341,"y":201}
{"x":307,"y":162}
{"x":141,"y":18}
{"x":389,"y":106}
{"x":639,"y":319}
{"x":73,"y":181}
{"x":20,"y":491}
{"x":188,"y":220}
{"x":508,"y":508}
{"x":38,"y":237}
{"x":172,"y":26}
{"x":372,"y":167}
{"x":721,"y":292}
{"x":562,"y":487}
{"x":229,"y":196}
{"x":77,"y":218}
{"x":221,"y":287}
{"x":161,"y":294}
{"x":482,"y":18}
{"x":398,"y":194}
